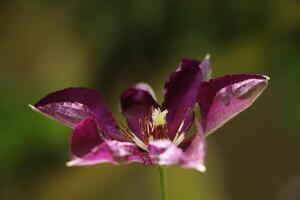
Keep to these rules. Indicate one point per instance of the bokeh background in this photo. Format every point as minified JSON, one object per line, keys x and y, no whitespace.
{"x":109,"y":45}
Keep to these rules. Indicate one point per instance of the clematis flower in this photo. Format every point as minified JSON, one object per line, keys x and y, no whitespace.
{"x":155,"y":134}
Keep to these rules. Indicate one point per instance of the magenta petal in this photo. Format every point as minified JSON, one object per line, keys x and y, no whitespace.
{"x":72,"y":105}
{"x":110,"y":151}
{"x":194,"y":155}
{"x":181,"y":93}
{"x":136,"y":104}
{"x":223,"y":98}
{"x":88,"y":147}
{"x":164,"y":152}
{"x":85,"y":137}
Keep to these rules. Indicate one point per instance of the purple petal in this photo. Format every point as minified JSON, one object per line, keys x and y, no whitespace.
{"x":164,"y":152}
{"x":196,"y":152}
{"x":85,"y":137}
{"x":223,"y":98}
{"x":136,"y":104}
{"x":88,"y":148}
{"x":72,"y":105}
{"x":181,"y":93}
{"x":110,"y":151}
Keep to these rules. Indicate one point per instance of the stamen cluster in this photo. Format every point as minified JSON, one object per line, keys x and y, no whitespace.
{"x":152,"y":128}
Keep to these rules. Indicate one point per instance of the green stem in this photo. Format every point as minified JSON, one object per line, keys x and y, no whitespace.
{"x":163,"y":183}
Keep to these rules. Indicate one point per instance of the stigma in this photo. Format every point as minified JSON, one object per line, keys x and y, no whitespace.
{"x":159,"y":117}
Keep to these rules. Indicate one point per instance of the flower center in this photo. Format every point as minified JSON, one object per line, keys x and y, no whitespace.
{"x":153,"y":128}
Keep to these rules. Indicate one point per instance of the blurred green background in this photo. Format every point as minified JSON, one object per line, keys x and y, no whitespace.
{"x":109,"y":45}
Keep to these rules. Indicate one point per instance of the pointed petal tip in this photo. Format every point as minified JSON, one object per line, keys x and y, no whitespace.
{"x":266,"y":77}
{"x":32,"y":107}
{"x":207,"y":56}
{"x":263,"y":80}
{"x":201,"y":168}
{"x":36,"y":109}
{"x":72,"y":163}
